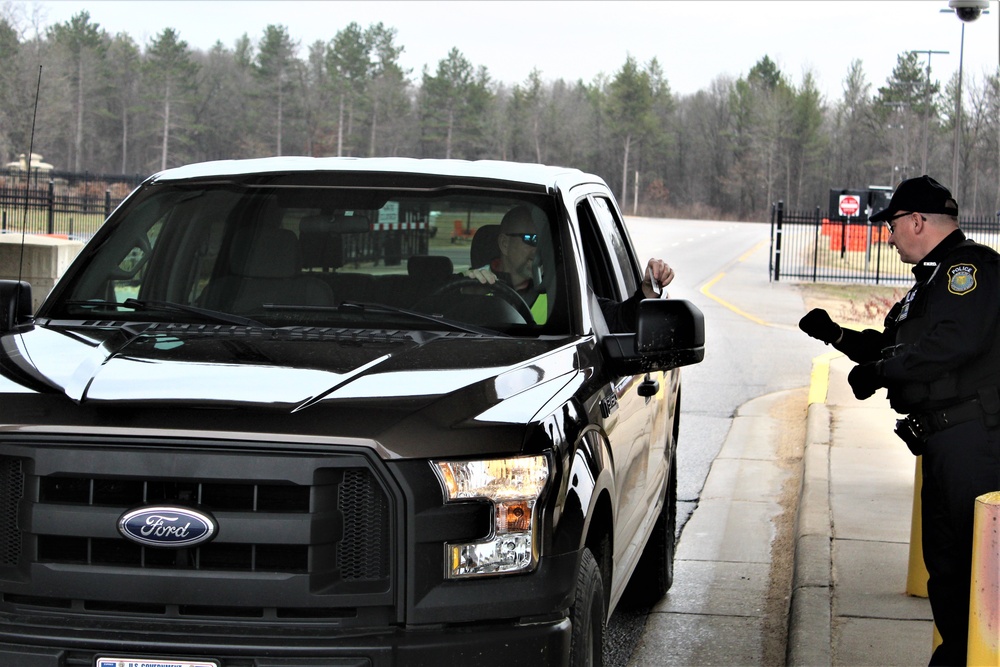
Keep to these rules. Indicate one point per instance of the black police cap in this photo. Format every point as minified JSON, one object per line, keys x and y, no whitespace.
{"x":920,"y":195}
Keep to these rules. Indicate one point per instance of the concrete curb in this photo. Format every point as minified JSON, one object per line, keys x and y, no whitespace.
{"x":809,"y":621}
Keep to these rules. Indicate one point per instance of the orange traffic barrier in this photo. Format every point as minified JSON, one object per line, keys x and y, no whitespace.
{"x":460,"y":232}
{"x":854,"y":238}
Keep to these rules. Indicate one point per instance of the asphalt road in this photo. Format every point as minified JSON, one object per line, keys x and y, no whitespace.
{"x":746,"y":357}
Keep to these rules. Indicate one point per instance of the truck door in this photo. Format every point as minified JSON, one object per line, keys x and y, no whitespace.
{"x":627,"y":417}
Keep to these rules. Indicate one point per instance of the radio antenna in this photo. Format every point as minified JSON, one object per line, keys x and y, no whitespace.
{"x":27,"y":192}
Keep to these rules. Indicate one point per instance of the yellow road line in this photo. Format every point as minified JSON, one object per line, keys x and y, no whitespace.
{"x":745,"y":256}
{"x":819,"y":379}
{"x":705,"y":289}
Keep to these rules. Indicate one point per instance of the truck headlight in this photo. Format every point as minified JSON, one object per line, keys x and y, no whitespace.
{"x":512,"y":486}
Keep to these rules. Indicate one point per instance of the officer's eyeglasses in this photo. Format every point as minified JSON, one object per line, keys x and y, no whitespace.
{"x":527,"y":239}
{"x":890,"y":224}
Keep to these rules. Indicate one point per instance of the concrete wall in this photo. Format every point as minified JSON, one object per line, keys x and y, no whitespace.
{"x":46,"y":258}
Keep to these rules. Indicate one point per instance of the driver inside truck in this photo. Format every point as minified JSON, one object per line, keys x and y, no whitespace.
{"x":518,"y":243}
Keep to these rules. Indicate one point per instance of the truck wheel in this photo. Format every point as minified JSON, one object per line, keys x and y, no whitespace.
{"x":587,"y":615}
{"x":654,"y":574}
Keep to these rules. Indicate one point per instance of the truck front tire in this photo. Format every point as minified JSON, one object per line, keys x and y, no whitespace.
{"x":587,"y":615}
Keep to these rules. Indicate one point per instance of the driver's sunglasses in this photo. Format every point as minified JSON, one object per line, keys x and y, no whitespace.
{"x":527,"y":239}
{"x":890,"y":224}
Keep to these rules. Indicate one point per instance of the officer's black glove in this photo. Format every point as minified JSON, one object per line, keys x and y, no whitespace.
{"x":817,"y":323}
{"x":864,"y":380}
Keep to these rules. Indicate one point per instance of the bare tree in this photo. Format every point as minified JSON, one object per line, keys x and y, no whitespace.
{"x":84,"y":44}
{"x":169,"y":75}
{"x":452,"y":106}
{"x":630,"y":104}
{"x":727,"y":151}
{"x":124,"y":61}
{"x":275,"y":68}
{"x":347,"y":65}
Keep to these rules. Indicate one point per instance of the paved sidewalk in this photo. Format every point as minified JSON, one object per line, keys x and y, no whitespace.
{"x":849,"y":602}
{"x":727,"y":605}
{"x":849,"y":605}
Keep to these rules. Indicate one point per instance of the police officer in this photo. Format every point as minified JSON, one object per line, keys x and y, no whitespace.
{"x":939,"y":358}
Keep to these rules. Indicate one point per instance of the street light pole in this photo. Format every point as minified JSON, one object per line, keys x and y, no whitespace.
{"x":927,"y":106}
{"x":958,"y":115}
{"x":894,"y":166}
{"x":966,"y":11}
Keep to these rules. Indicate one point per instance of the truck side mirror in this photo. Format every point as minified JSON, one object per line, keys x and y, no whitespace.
{"x":669,"y":324}
{"x":670,"y":333}
{"x":15,"y":304}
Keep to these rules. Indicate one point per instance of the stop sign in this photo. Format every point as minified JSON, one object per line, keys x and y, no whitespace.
{"x":849,"y":205}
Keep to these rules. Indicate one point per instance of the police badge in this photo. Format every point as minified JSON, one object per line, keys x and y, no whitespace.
{"x":961,"y":279}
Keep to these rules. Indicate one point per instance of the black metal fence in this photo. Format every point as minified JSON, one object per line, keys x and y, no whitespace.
{"x":810,"y":245}
{"x":64,"y":204}
{"x":39,"y":178}
{"x":387,"y":247}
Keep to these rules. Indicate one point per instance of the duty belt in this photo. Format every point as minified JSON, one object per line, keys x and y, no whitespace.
{"x":932,"y":421}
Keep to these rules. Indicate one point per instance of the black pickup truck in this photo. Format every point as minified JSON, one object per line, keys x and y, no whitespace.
{"x":266,"y":419}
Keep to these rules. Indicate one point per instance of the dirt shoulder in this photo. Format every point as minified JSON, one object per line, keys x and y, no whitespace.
{"x":855,"y":306}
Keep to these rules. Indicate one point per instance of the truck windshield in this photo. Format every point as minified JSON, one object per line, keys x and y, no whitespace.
{"x":324,"y":257}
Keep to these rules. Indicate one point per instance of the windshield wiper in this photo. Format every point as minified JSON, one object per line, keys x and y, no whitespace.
{"x":364,"y":307}
{"x":171,"y":307}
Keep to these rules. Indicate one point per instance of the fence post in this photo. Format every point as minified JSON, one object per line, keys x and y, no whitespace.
{"x":819,"y":225}
{"x":779,"y":214}
{"x":843,"y":236}
{"x":878,"y":257}
{"x":107,"y":204}
{"x":52,"y":207}
{"x":770,"y":248}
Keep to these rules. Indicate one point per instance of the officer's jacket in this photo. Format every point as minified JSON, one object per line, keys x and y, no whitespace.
{"x":941,"y":343}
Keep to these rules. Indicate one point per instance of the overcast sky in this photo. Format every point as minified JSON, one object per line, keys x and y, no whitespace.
{"x":695,"y":41}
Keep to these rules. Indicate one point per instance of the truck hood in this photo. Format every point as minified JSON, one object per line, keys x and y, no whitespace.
{"x":368,"y":382}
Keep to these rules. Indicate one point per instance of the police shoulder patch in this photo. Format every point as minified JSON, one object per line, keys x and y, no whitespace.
{"x":961,"y":279}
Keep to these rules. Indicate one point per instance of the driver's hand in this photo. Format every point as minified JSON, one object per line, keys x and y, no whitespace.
{"x":482,"y":274}
{"x":658,"y":276}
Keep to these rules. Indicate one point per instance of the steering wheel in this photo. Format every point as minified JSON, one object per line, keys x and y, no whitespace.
{"x":499,"y":289}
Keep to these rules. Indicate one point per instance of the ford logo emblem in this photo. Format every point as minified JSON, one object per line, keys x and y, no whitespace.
{"x":166,"y":526}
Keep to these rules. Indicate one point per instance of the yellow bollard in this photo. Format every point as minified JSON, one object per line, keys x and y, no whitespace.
{"x":916,"y":574}
{"x":984,"y":596}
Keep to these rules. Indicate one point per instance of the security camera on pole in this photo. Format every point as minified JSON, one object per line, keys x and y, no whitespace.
{"x":968,"y":10}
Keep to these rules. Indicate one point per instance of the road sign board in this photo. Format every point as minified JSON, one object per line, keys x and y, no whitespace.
{"x":849,"y":205}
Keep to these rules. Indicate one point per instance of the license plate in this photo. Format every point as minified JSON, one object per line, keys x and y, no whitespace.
{"x":152,"y":662}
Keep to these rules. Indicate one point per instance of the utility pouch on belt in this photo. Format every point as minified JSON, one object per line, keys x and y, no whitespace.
{"x":989,"y":399}
{"x":913,"y":434}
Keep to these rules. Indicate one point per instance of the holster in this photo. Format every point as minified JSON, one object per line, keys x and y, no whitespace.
{"x":989,"y":399}
{"x":913,"y":434}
